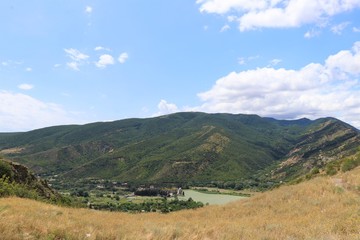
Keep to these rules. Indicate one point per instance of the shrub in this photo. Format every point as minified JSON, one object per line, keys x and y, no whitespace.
{"x":331,"y":168}
{"x":350,"y":163}
{"x":315,"y":170}
{"x":8,"y":188}
{"x":312,"y":173}
{"x":5,"y":169}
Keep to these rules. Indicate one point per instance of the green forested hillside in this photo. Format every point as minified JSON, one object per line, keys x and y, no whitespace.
{"x":184,"y":147}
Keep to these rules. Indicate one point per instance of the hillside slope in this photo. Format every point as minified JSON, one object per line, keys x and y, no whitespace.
{"x":183,"y":147}
{"x":322,"y":208}
{"x":17,"y":180}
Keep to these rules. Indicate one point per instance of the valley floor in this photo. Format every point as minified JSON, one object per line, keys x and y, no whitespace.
{"x":322,"y":208}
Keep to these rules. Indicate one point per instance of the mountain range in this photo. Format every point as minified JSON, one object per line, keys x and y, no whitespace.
{"x":188,"y":147}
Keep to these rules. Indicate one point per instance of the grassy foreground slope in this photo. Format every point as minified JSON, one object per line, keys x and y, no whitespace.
{"x":322,"y":208}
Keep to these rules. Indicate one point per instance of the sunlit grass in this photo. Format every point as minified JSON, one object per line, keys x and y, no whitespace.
{"x":322,"y":208}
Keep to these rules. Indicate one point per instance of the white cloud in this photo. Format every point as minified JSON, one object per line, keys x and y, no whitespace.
{"x":20,"y":112}
{"x":275,"y":62}
{"x":225,"y":28}
{"x":28,"y":69}
{"x":339,"y":28}
{"x":241,"y":61}
{"x":312,"y":33}
{"x":224,"y":6}
{"x":316,"y":90}
{"x":245,"y":60}
{"x":75,"y":54}
{"x":25,"y":86}
{"x":88,"y":9}
{"x":105,"y":60}
{"x":166,"y":108}
{"x":278,"y":13}
{"x":100,"y":48}
{"x":73,"y":65}
{"x":355,"y":29}
{"x":346,"y":61}
{"x":232,"y":18}
{"x":11,"y":63}
{"x":78,"y":58}
{"x":123,"y":57}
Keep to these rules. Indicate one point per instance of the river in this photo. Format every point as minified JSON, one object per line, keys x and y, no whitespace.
{"x":212,"y":199}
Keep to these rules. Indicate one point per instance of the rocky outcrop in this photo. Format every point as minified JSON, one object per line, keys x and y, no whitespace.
{"x":22,"y":175}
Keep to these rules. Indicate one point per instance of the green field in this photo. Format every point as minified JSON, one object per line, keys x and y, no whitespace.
{"x":210,"y":198}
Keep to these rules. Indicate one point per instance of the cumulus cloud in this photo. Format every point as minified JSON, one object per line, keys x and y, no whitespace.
{"x":78,"y":58}
{"x":345,"y":62}
{"x":166,"y":108}
{"x":123,"y":57}
{"x":316,"y":90}
{"x":25,"y":86}
{"x":20,"y":112}
{"x":277,"y":13}
{"x":104,"y":61}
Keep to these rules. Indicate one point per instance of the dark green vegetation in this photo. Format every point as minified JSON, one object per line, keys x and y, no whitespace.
{"x":344,"y":164}
{"x":224,"y":150}
{"x":155,"y":205}
{"x":17,"y":180}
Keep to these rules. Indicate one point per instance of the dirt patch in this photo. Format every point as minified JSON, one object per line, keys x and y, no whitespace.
{"x":12,"y":150}
{"x":338,"y":182}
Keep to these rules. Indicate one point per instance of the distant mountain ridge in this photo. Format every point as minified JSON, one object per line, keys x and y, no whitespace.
{"x":184,"y":147}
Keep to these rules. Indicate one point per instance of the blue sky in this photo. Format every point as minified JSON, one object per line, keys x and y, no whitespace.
{"x":80,"y":61}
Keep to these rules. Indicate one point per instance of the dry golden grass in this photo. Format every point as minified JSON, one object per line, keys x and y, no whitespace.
{"x":322,"y":208}
{"x":12,"y":150}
